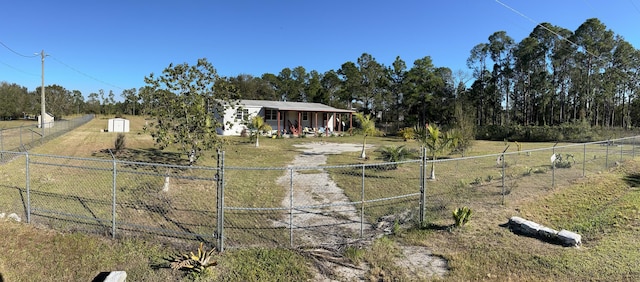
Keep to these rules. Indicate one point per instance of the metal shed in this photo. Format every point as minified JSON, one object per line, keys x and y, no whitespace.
{"x":118,"y":125}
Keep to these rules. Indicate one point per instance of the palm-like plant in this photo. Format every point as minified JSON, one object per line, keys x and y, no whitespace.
{"x":258,"y":124}
{"x":462,"y":216}
{"x":407,"y":133}
{"x":394,"y":154}
{"x":436,"y":141}
{"x":368,"y":128}
{"x":194,"y":262}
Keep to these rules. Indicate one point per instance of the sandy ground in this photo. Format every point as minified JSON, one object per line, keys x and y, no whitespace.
{"x":338,"y":224}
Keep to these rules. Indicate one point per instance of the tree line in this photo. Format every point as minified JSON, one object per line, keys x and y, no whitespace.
{"x":553,"y":76}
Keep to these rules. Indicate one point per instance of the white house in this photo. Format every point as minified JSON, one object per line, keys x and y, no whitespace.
{"x":286,"y":117}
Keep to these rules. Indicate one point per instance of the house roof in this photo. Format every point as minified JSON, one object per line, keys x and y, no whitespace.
{"x":293,"y":106}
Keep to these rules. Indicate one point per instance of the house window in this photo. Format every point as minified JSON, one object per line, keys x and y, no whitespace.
{"x":270,"y":114}
{"x":242,"y":114}
{"x":305,"y":115}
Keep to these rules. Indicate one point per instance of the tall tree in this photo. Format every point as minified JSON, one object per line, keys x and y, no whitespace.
{"x":331,"y":87}
{"x":78,"y":100}
{"x":373,"y":75}
{"x":477,"y":62}
{"x":420,"y":85}
{"x":397,"y":73}
{"x":313,"y":88}
{"x":500,"y":50}
{"x":131,"y":100}
{"x":595,"y":44}
{"x":352,"y":83}
{"x":93,"y":103}
{"x":59,"y":101}
{"x":11,"y":96}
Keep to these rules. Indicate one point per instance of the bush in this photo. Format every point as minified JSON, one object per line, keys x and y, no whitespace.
{"x":407,"y":133}
{"x":462,"y":216}
{"x":572,"y":132}
{"x":120,"y":142}
{"x":394,"y":154}
{"x":194,"y":263}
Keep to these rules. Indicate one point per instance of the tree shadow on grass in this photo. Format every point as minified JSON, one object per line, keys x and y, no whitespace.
{"x":89,"y":217}
{"x":633,"y":179}
{"x":149,"y":155}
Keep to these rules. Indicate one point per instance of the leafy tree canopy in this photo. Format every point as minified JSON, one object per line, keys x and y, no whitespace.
{"x":183,"y":101}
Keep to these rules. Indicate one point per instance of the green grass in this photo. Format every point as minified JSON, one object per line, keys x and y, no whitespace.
{"x":603,"y":208}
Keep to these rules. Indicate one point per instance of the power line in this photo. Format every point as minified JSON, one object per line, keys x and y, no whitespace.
{"x":635,"y":6}
{"x":538,"y":24}
{"x":66,"y":65}
{"x":21,"y":55}
{"x":17,"y":69}
{"x":84,"y":74}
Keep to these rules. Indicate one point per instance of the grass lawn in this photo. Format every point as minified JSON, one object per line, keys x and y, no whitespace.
{"x":603,"y":207}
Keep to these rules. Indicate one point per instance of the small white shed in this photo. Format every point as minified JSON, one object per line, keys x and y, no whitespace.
{"x":118,"y":125}
{"x":48,"y":120}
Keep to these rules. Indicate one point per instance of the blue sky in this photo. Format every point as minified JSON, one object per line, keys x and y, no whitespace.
{"x":113,"y":45}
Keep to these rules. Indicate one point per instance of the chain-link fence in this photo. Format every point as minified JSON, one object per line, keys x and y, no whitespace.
{"x":292,"y":206}
{"x":23,"y":138}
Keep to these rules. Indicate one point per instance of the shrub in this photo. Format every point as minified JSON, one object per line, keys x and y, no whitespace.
{"x":394,"y":154}
{"x":489,"y":178}
{"x":193,"y":263}
{"x":462,"y":216}
{"x":244,"y":133}
{"x":120,"y":142}
{"x":354,"y":254}
{"x":407,"y":133}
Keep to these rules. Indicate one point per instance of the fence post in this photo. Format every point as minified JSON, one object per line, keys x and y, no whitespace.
{"x":113,"y":200}
{"x":291,"y":207}
{"x":362,"y":205}
{"x":553,"y":167}
{"x":220,"y":201}
{"x":503,"y":161}
{"x":633,"y":147}
{"x":28,"y":187}
{"x":423,"y":185}
{"x":584,"y":158}
{"x":503,"y":175}
{"x":606,"y":156}
{"x":621,"y":146}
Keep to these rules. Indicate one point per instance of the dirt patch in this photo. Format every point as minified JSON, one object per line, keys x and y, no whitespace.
{"x":325,"y":219}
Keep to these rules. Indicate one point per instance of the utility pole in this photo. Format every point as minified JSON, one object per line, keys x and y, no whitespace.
{"x":42,"y":108}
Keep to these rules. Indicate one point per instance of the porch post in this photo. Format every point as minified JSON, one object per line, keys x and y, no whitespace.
{"x":278,"y":121}
{"x":351,"y":121}
{"x":326,"y":124}
{"x":299,"y":123}
{"x":316,"y":122}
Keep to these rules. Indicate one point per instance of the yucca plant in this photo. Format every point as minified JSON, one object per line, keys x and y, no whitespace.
{"x":462,"y":216}
{"x":194,"y":262}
